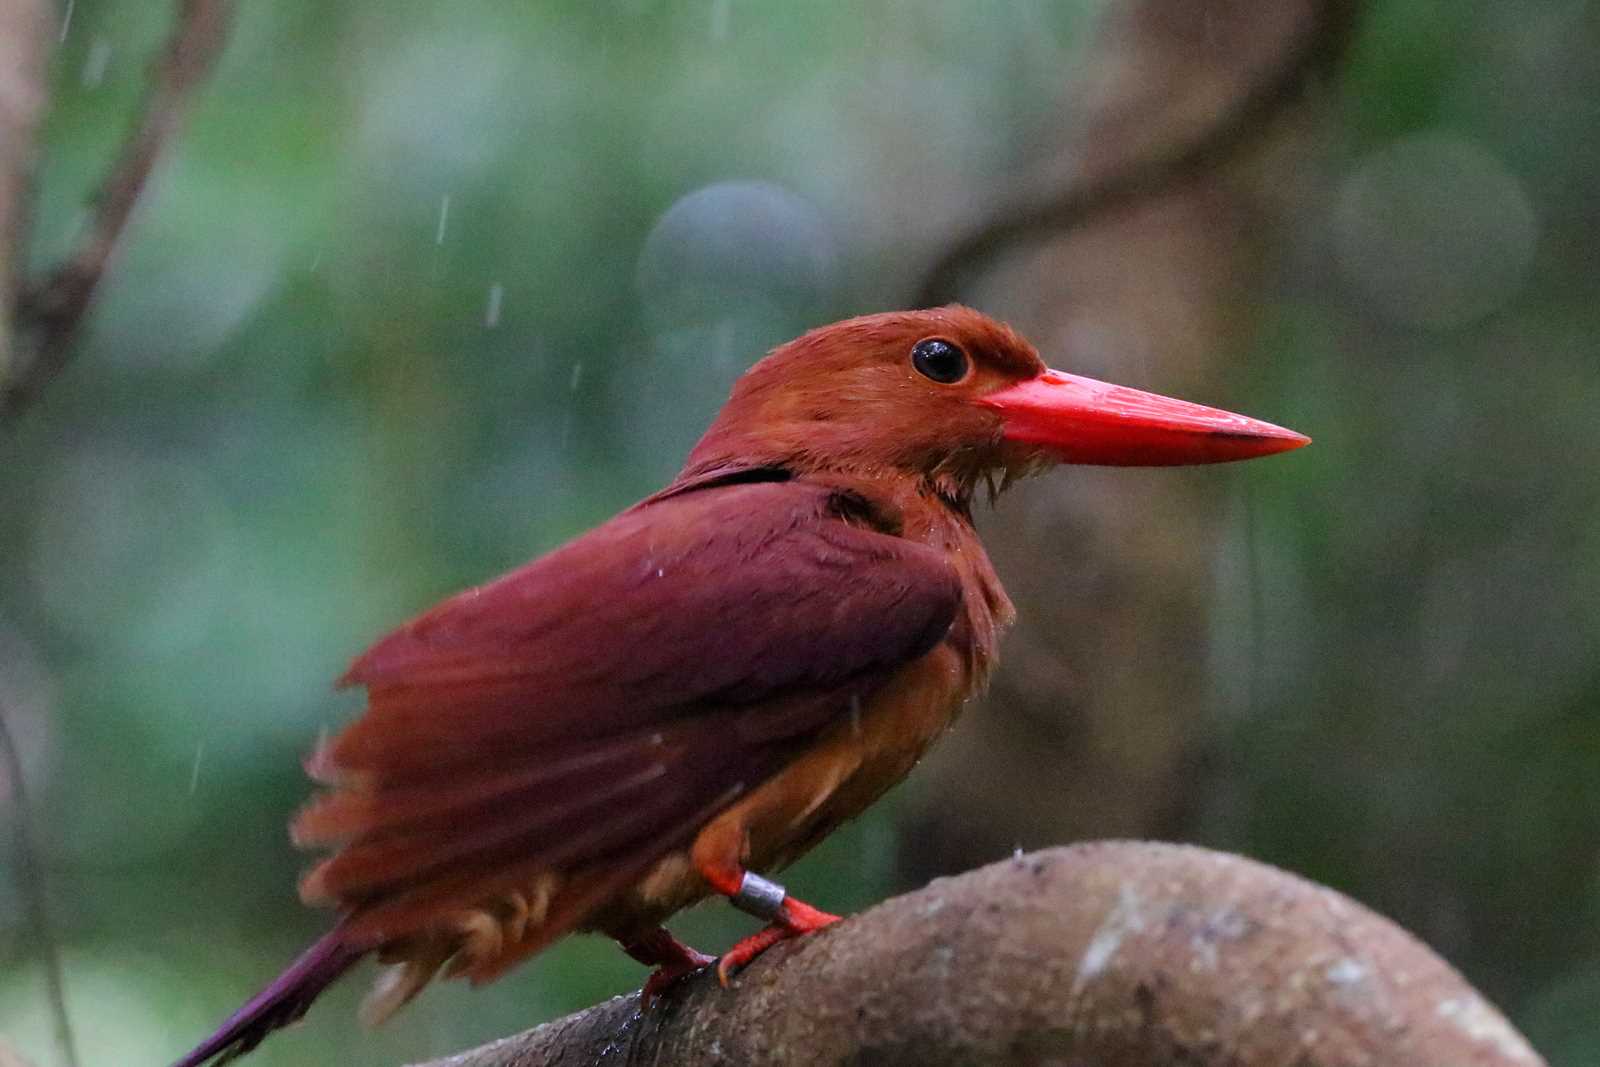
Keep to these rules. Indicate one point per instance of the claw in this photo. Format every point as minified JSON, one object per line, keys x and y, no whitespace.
{"x":794,"y":919}
{"x":669,"y":975}
{"x":672,"y":959}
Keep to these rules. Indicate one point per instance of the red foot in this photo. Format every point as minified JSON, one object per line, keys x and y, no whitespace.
{"x":672,"y":959}
{"x":796,"y":919}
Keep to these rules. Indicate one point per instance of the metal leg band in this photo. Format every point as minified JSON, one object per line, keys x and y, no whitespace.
{"x":759,"y":897}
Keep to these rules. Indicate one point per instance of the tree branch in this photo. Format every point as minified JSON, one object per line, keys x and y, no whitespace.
{"x":49,"y":313}
{"x":1115,"y":954}
{"x":31,"y":887}
{"x":1262,"y":94}
{"x":23,"y":52}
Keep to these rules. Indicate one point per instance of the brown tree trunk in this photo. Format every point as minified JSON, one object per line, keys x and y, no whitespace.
{"x":1142,"y":269}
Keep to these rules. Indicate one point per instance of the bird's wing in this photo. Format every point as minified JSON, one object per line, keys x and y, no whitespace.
{"x":607,"y":699}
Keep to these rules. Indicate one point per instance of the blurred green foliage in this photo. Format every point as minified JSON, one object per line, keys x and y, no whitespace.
{"x":426,"y":289}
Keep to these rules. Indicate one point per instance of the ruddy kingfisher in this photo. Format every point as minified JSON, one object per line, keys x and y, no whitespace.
{"x":688,"y":697}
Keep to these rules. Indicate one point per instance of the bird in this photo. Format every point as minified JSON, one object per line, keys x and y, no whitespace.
{"x":685,"y":699}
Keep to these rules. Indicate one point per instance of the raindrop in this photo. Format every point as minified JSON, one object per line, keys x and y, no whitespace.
{"x":94,"y":66}
{"x":720,"y":10}
{"x":194,"y":767}
{"x":444,"y":219}
{"x":571,"y":413}
{"x":491,"y":314}
{"x":66,"y":20}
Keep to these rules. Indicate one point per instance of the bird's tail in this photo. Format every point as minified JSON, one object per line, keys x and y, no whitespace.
{"x":280,"y":1004}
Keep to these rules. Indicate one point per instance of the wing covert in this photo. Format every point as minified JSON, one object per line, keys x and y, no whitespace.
{"x":590,"y":702}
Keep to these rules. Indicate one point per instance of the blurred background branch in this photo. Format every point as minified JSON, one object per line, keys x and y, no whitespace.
{"x":31,"y":886}
{"x":49,"y":312}
{"x":24,"y":49}
{"x":1313,"y":46}
{"x":39,"y":321}
{"x":1115,"y":954}
{"x":24,"y":25}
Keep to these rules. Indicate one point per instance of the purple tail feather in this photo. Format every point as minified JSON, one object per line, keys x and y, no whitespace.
{"x":280,"y":1004}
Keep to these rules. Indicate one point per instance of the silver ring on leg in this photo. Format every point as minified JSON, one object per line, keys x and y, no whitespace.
{"x":759,"y":897}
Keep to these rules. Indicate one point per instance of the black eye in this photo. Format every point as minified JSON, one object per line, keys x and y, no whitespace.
{"x":939,"y":360}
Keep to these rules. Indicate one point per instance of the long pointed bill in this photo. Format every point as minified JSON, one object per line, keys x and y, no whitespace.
{"x":1081,"y":420}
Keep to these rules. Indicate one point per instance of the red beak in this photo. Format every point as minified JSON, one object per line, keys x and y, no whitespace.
{"x":1080,"y":420}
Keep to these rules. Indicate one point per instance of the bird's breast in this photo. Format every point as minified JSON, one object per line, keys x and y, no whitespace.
{"x":860,"y":759}
{"x":834,"y":780}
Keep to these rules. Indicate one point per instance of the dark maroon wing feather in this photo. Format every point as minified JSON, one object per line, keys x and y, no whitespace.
{"x":586,"y":705}
{"x":720,"y":596}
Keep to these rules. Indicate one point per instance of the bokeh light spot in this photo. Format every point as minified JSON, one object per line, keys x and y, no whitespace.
{"x":1435,"y":230}
{"x":129,"y":550}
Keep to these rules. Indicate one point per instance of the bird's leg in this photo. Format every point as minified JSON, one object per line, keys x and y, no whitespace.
{"x":672,"y":959}
{"x":764,"y":899}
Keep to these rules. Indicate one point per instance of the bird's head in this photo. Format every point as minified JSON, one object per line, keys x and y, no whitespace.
{"x":952,"y":396}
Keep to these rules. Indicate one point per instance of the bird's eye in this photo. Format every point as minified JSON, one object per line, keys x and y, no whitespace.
{"x":939,"y":360}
